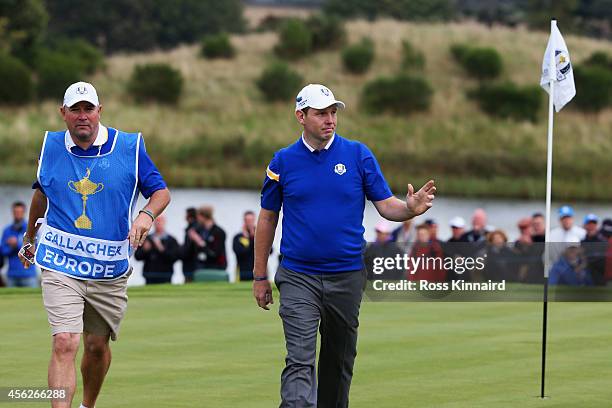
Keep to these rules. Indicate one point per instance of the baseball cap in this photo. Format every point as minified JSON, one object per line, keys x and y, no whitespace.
{"x":566,"y":211}
{"x":81,"y":91}
{"x":590,"y":218}
{"x":457,"y":222}
{"x":430,"y":222}
{"x":316,"y":96}
{"x":384,"y":227}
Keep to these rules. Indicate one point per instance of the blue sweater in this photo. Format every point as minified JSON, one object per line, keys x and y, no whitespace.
{"x":323,"y":194}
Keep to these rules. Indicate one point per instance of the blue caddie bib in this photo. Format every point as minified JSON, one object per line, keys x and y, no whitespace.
{"x":90,"y":201}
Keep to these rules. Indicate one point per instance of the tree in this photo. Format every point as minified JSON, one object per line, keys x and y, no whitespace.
{"x":22,"y":25}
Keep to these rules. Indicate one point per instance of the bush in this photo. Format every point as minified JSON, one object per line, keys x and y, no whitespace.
{"x":90,"y":57}
{"x":278,"y":82}
{"x":600,"y":59}
{"x":217,"y":46}
{"x":400,"y":94}
{"x":357,"y":58}
{"x":56,"y":71}
{"x":271,"y":23}
{"x":593,"y":88}
{"x":295,"y":40}
{"x":459,"y":51}
{"x":156,"y":83}
{"x":412,"y":59}
{"x":507,"y":100}
{"x":480,"y":63}
{"x":328,"y":32}
{"x":16,"y":86}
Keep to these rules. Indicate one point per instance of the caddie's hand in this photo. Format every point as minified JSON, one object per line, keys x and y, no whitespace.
{"x":422,"y":200}
{"x":26,"y":264}
{"x":263,"y":294}
{"x":140,"y":229}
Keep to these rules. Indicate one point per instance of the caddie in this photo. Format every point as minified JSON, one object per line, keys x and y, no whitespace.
{"x":88,"y":181}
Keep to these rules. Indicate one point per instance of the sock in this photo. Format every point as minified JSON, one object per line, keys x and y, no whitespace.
{"x":82,"y":406}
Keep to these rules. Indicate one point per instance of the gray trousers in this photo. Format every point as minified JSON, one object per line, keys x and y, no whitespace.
{"x":329,"y":303}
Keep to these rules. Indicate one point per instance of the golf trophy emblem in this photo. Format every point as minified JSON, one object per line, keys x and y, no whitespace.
{"x":85,"y":188}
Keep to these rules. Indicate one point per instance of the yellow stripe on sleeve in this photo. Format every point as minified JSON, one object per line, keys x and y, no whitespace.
{"x":272,"y":175}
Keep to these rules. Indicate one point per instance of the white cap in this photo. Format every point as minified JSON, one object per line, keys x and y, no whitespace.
{"x":457,"y":222}
{"x":81,"y":91}
{"x":316,"y":96}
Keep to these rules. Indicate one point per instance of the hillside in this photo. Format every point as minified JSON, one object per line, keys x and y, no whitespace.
{"x":223,"y":133}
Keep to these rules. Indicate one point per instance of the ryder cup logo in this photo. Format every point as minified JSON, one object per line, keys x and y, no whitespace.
{"x":81,"y":90}
{"x":563,"y":64}
{"x":325,"y":91}
{"x":339,"y":169}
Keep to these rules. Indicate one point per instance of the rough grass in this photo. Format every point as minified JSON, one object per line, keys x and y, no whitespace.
{"x":222,"y":133}
{"x":210,"y":346}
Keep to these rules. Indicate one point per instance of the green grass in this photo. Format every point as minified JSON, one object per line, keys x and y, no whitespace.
{"x":210,"y":346}
{"x":223,"y":133}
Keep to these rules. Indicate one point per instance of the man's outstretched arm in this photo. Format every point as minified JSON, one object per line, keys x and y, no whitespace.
{"x":417,"y":203}
{"x":264,"y":237}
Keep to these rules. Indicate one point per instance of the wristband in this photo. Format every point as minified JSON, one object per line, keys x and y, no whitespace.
{"x":260,"y":278}
{"x":148,"y":212}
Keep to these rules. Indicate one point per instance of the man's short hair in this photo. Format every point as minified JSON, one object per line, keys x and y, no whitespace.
{"x":305,"y":110}
{"x":248,"y":212}
{"x":18,"y":204}
{"x":206,"y":211}
{"x":538,"y":214}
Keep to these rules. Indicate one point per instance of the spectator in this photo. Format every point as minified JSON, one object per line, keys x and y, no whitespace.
{"x":383,"y":247}
{"x":606,"y":233}
{"x":431,"y":268}
{"x":189,"y":254}
{"x":403,"y":236}
{"x":12,"y":240}
{"x":538,"y":225}
{"x":433,"y":229}
{"x":499,"y":258}
{"x":570,"y":269}
{"x":530,"y":268}
{"x":478,"y":233}
{"x":209,"y":241}
{"x":244,"y":247}
{"x":455,"y":247}
{"x":457,"y":225}
{"x":476,"y":239}
{"x":594,"y":247}
{"x":565,"y":234}
{"x":159,"y":252}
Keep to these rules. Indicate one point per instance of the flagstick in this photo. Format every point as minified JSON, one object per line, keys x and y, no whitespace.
{"x":548,"y":199}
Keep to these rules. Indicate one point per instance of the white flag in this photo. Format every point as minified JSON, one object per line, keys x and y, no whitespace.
{"x":556,"y":66}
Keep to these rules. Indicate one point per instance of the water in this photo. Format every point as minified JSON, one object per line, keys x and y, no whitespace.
{"x":231,"y":204}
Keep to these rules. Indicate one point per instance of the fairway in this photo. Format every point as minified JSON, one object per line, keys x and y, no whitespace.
{"x":208,"y":345}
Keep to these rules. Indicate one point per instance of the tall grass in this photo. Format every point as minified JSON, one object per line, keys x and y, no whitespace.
{"x":223,"y":133}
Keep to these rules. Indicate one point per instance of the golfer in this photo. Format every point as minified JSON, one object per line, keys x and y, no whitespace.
{"x":321,"y":181}
{"x":88,"y":180}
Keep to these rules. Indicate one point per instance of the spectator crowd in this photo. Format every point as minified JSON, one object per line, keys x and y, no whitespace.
{"x":578,"y":255}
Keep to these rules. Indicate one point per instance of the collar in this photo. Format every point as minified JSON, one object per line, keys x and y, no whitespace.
{"x":101,"y":138}
{"x":312,"y":149}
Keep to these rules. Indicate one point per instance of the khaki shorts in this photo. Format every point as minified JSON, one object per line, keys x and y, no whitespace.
{"x":76,"y":306}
